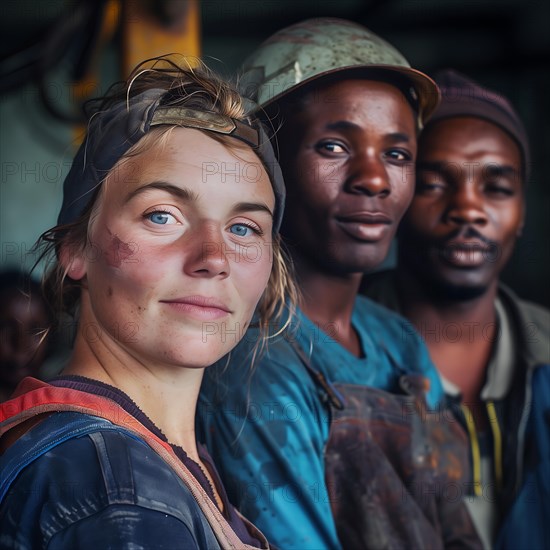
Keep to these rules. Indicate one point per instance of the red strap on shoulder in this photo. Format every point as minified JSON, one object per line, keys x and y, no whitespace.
{"x":33,"y":397}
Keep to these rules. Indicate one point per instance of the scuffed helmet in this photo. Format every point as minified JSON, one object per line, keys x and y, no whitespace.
{"x":318,"y":47}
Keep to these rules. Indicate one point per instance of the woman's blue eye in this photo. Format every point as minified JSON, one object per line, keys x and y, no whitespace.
{"x":241,"y":230}
{"x":161,"y":218}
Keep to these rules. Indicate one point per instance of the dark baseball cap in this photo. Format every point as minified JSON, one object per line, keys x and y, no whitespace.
{"x":113,"y":131}
{"x":461,"y":96}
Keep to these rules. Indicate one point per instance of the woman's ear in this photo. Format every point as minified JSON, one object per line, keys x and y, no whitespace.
{"x":74,"y":262}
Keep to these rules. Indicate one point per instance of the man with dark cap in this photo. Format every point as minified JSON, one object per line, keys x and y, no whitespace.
{"x":490,"y":347}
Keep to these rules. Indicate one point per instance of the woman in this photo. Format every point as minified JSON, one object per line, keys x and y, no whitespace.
{"x":166,"y":241}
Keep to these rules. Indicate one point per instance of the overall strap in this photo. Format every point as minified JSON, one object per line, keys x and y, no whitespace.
{"x":53,"y":431}
{"x":332,"y":395}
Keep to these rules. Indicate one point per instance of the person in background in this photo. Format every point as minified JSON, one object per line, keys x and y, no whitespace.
{"x":151,"y":251}
{"x":326,"y":442}
{"x":490,"y":347}
{"x":24,"y":321}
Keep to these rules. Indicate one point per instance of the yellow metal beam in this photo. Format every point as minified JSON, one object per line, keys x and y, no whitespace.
{"x":89,"y":85}
{"x":144,"y":35}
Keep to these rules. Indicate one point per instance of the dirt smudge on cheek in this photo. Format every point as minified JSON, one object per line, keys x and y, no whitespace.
{"x":110,"y":291}
{"x":118,"y":251}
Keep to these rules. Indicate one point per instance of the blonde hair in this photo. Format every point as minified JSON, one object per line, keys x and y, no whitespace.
{"x":194,"y":88}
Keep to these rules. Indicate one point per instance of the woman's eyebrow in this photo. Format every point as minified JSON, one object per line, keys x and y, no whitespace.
{"x":243,"y":207}
{"x":187,"y":195}
{"x":180,"y":193}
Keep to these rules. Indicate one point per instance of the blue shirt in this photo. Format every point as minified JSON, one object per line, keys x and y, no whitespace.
{"x":266,"y":424}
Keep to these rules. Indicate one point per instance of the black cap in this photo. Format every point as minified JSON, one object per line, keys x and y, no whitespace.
{"x":112,"y":132}
{"x":461,"y":96}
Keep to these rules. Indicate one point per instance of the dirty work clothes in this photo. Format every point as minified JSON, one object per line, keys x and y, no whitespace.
{"x":90,"y":475}
{"x":395,"y":472}
{"x":268,"y":428}
{"x":394,"y":469}
{"x":514,"y":462}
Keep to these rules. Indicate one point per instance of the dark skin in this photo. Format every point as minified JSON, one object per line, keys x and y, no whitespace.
{"x":457,"y":236}
{"x":347,"y":156}
{"x":23,"y":322}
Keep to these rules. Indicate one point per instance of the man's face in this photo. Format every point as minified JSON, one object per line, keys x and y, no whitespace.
{"x":23,"y":346}
{"x":347,"y":155}
{"x":468,"y":207}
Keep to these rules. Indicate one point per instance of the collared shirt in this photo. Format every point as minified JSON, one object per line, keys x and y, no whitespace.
{"x":483,"y":506}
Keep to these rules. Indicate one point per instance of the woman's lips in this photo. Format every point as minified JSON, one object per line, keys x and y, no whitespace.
{"x":200,"y":307}
{"x":365,"y":226}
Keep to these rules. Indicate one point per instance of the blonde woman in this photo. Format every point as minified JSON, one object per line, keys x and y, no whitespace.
{"x":166,"y":242}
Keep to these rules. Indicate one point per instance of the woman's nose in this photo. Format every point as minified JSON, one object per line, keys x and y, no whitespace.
{"x":208,"y":254}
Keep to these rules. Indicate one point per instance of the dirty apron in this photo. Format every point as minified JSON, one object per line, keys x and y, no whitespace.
{"x":395,"y":473}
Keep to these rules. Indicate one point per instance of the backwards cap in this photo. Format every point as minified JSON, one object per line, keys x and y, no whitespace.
{"x":319,"y":47}
{"x":461,"y":96}
{"x":112,"y":132}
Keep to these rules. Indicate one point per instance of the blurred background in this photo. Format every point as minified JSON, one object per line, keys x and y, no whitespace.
{"x":57,"y":53}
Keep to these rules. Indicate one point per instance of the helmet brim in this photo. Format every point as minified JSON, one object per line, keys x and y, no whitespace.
{"x":427,"y":90}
